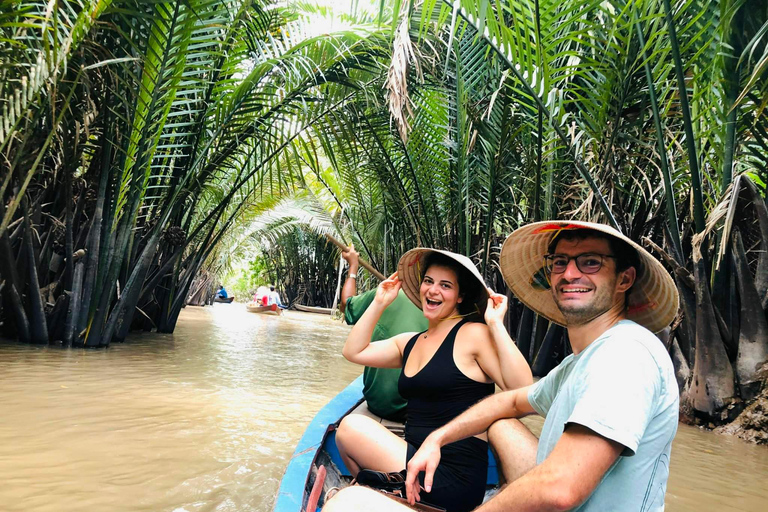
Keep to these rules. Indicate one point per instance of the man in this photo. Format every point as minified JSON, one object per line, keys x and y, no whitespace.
{"x":274,"y":298}
{"x":222,"y":292}
{"x":611,"y":407}
{"x":380,"y":384}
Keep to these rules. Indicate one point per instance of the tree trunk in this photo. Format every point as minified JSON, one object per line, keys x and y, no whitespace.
{"x":682,"y":370}
{"x":761,"y":212}
{"x":712,"y":382}
{"x":525,"y":333}
{"x":71,"y":334}
{"x":38,"y":329}
{"x":550,"y":353}
{"x":753,"y":336}
{"x":687,"y":329}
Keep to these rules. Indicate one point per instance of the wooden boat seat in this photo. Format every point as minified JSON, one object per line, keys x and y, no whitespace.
{"x":395,"y":427}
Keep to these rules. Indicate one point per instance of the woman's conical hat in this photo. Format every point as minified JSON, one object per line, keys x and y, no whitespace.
{"x":411,"y":266}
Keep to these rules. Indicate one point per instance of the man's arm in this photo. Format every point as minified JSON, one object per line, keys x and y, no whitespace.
{"x":565,"y":479}
{"x":350,"y":284}
{"x":473,"y":421}
{"x":382,"y":354}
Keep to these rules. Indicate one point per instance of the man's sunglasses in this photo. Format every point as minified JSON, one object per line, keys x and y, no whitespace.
{"x":587,"y":263}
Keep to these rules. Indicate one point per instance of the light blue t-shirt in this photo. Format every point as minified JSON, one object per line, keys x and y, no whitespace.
{"x":623,"y":387}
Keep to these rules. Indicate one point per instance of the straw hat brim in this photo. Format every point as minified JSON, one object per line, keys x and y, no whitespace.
{"x":412,"y":264}
{"x":653,"y":301}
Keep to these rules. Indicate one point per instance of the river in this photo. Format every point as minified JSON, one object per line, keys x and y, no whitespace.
{"x":205,"y":419}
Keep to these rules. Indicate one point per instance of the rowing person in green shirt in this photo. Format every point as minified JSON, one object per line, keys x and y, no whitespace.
{"x":380,"y":384}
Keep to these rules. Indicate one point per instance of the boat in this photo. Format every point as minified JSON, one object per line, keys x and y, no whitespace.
{"x":313,"y":309}
{"x":225,"y":300}
{"x":316,"y":466}
{"x":255,"y":307}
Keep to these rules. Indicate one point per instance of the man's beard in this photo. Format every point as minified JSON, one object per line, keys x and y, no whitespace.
{"x":582,"y":313}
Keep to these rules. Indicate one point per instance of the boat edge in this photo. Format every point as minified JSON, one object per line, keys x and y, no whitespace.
{"x":290,"y":495}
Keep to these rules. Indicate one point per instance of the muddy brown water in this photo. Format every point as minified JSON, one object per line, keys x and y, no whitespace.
{"x":205,"y":419}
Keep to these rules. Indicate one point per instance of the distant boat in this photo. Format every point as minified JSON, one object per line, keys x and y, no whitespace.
{"x":227,"y":300}
{"x":316,"y":466}
{"x":313,"y":309}
{"x":255,"y":307}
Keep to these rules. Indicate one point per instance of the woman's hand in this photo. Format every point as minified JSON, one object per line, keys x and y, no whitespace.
{"x":387,"y":290}
{"x":497,"y":307}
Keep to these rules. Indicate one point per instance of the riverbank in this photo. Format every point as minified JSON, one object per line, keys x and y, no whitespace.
{"x":206,"y":418}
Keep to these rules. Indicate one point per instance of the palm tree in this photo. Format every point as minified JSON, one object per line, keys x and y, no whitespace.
{"x":164,"y":126}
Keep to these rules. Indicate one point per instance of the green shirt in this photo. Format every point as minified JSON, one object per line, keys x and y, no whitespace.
{"x":380,"y":384}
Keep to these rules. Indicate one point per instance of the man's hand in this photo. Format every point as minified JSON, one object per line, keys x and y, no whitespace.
{"x":425,"y":459}
{"x":497,"y":307}
{"x":386,"y":293}
{"x":352,"y":257}
{"x":350,"y":285}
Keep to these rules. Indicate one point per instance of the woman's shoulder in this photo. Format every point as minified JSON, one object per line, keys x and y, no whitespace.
{"x":474,"y":330}
{"x":404,"y":337}
{"x":473,"y":339}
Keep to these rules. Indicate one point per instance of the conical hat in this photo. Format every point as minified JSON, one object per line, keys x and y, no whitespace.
{"x":411,"y":265}
{"x":653,"y":301}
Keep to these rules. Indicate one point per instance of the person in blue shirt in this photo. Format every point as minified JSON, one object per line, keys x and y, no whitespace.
{"x":274,"y":298}
{"x":222,"y":292}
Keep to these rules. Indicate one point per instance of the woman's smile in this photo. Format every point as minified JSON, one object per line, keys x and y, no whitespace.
{"x":432,"y":303}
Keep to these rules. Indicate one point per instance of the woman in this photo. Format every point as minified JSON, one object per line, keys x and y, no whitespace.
{"x":445,"y":370}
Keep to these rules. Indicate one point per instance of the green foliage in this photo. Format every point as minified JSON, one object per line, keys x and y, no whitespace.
{"x":245,"y":276}
{"x":163,"y":123}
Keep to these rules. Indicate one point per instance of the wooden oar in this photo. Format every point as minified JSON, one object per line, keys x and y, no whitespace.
{"x":367,"y":266}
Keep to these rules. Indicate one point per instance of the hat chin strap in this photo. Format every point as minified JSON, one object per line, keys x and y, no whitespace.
{"x":476,"y":311}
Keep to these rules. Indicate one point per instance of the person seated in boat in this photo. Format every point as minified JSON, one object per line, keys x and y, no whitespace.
{"x":222,"y":293}
{"x":380,"y":384}
{"x":611,"y":408}
{"x":261,"y":297}
{"x":274,"y":298}
{"x":444,"y":371}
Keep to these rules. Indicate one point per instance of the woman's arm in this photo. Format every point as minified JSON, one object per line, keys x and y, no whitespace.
{"x":500,"y":359}
{"x":358,"y":347}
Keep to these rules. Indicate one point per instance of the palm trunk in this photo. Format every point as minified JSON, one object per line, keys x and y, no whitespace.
{"x":551,"y":351}
{"x":38,"y":328}
{"x":712,"y":381}
{"x":11,"y":289}
{"x":120,"y":319}
{"x":71,"y":334}
{"x":525,"y":333}
{"x":91,"y":290}
{"x":753,"y":335}
{"x":761,"y":212}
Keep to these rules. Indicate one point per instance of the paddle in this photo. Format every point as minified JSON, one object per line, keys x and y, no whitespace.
{"x":363,"y":263}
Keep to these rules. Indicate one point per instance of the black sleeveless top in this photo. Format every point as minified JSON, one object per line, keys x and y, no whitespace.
{"x":439,"y":392}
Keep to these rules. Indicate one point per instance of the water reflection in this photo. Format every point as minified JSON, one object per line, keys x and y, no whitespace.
{"x":206,"y":419}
